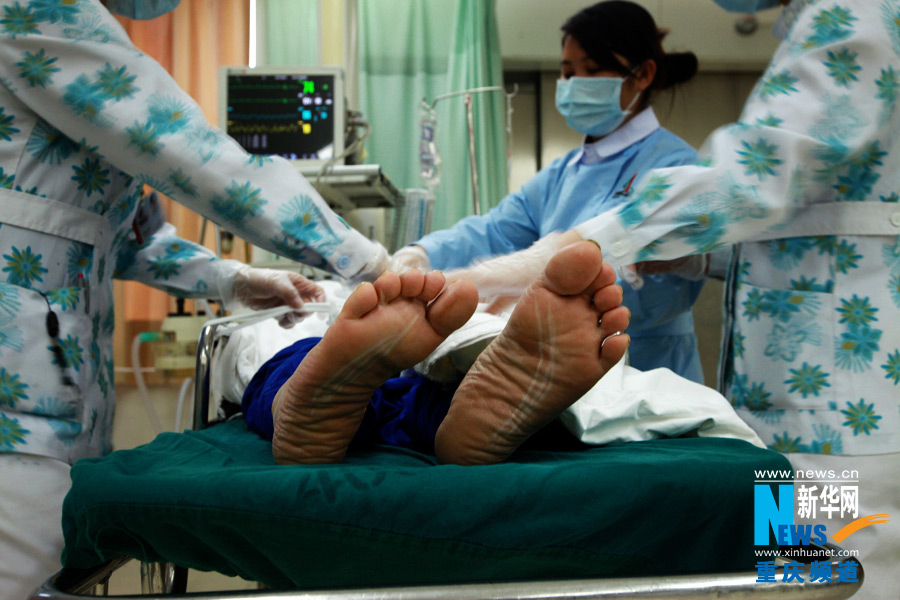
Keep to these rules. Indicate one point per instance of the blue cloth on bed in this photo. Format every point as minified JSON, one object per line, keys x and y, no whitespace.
{"x":406,"y":411}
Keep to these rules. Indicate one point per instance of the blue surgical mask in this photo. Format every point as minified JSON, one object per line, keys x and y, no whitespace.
{"x":591,"y":105}
{"x":141,"y":10}
{"x":747,"y":6}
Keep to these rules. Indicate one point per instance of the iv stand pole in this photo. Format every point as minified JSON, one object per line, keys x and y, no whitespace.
{"x":470,"y":130}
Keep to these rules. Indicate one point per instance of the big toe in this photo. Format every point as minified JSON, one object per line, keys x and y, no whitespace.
{"x":574,"y":269}
{"x":362,"y":300}
{"x":453,"y":307}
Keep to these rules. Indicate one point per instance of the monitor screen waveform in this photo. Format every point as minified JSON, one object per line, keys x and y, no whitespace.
{"x":286,"y":115}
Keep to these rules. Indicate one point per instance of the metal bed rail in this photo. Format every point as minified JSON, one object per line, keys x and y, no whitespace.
{"x":734,"y":586}
{"x":213,"y":330}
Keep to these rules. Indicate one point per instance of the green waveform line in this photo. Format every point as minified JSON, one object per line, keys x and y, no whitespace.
{"x":274,"y":86}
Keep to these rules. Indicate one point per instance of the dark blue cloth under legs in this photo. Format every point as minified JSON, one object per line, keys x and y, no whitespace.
{"x":405,"y":411}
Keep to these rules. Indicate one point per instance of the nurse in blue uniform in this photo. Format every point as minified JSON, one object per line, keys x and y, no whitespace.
{"x":612,"y":63}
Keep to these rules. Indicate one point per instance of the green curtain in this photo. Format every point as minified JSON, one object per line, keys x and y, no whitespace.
{"x":292,"y":33}
{"x":403,"y":54}
{"x":474,"y":62}
{"x":408,"y":53}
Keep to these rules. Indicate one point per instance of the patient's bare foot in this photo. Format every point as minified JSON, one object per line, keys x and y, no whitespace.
{"x":383,"y":328}
{"x":550,"y":354}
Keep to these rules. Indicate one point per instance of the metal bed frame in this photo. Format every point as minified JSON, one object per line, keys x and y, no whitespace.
{"x":166,"y":581}
{"x":161,"y":586}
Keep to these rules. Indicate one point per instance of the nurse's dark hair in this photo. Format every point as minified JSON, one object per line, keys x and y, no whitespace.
{"x":627,"y":29}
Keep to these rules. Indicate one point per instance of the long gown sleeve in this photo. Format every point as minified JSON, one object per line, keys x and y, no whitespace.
{"x":811,"y":131}
{"x":77,"y":69}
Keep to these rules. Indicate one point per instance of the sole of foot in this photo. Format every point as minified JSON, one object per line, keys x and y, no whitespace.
{"x":563,"y":336}
{"x":384,"y":327}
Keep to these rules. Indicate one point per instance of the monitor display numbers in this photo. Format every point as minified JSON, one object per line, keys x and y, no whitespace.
{"x":287,"y":115}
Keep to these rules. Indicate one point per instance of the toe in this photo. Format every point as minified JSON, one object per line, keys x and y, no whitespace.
{"x":573,"y":269}
{"x":606,"y":278}
{"x":453,"y":307}
{"x":388,"y":287}
{"x":412,"y":283}
{"x":612,"y":349}
{"x":614,"y":320}
{"x":607,"y":298}
{"x":432,"y":286}
{"x":363,"y":299}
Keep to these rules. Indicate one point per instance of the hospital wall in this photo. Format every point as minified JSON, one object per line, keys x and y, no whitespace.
{"x":692,"y":111}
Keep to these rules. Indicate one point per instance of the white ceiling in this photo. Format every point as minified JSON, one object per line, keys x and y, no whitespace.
{"x":530,"y":34}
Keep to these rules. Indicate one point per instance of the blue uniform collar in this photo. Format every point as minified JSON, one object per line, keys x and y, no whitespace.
{"x":642,"y":125}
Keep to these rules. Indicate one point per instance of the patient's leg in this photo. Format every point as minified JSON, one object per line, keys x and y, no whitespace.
{"x":383,"y":328}
{"x":555,"y":347}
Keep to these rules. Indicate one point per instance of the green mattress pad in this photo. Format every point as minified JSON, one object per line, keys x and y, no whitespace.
{"x":214,"y":500}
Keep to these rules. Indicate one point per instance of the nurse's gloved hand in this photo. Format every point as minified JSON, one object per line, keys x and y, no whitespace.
{"x":260,"y":289}
{"x":410,"y":257}
{"x":693,"y":267}
{"x":378,"y":263}
{"x":630,"y":275}
{"x":511,"y":274}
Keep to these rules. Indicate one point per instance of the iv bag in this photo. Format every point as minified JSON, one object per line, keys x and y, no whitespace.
{"x":429,"y":159}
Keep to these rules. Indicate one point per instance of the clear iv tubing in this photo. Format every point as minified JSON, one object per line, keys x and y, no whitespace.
{"x":148,"y":336}
{"x":308,"y":307}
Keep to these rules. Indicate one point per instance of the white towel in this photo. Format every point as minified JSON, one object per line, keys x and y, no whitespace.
{"x":626,"y":405}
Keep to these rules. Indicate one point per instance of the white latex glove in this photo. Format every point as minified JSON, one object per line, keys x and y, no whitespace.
{"x":410,"y":257}
{"x":260,"y":289}
{"x":630,"y":275}
{"x":378,"y":264}
{"x":693,"y":267}
{"x":510,"y":274}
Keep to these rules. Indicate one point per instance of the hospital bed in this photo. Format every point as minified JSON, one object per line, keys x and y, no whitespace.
{"x":668,"y":518}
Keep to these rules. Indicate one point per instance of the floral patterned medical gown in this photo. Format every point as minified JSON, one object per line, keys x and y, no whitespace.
{"x":85,"y":120}
{"x":811,"y":354}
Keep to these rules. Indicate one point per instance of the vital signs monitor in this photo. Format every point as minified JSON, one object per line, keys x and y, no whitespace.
{"x":293,"y":112}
